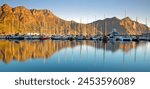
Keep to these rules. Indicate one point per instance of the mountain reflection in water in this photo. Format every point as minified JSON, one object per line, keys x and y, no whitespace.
{"x":78,"y":55}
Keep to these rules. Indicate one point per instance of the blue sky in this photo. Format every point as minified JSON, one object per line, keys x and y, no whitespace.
{"x":87,"y":10}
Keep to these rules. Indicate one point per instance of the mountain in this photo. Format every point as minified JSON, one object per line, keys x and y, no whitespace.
{"x":123,"y":26}
{"x":22,"y":20}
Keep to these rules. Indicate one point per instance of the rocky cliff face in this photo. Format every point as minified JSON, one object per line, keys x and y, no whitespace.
{"x":123,"y":26}
{"x":22,"y":20}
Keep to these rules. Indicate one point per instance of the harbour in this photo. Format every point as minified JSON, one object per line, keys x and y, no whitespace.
{"x":37,"y":40}
{"x":114,"y":36}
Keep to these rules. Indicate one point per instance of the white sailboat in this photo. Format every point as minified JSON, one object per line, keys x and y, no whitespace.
{"x":105,"y":38}
{"x":145,"y":36}
{"x":80,"y":36}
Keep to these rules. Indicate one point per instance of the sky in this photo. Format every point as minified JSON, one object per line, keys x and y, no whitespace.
{"x":89,"y":10}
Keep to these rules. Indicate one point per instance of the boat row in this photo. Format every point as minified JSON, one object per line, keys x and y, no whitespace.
{"x":24,"y":37}
{"x":98,"y":37}
{"x":113,"y":36}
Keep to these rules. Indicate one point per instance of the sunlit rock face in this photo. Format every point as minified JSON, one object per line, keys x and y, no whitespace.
{"x":22,"y":20}
{"x":123,"y":26}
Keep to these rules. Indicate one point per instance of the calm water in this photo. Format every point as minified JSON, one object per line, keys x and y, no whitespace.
{"x":74,"y":56}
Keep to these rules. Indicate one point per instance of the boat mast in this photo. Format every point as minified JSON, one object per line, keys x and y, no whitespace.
{"x":80,"y":27}
{"x":95,"y":27}
{"x":44,"y":25}
{"x":12,"y":25}
{"x":104,"y":33}
{"x":55,"y":26}
{"x":58,"y":26}
{"x":135,"y":25}
{"x":75,"y":29}
{"x":92,"y":26}
{"x":146,"y":26}
{"x":86,"y":27}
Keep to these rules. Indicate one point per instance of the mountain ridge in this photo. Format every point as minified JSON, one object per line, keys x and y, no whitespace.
{"x":22,"y":20}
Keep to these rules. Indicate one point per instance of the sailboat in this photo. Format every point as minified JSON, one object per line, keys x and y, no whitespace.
{"x":56,"y":37}
{"x":147,"y":31}
{"x":136,"y":38}
{"x":42,"y":36}
{"x":125,"y":38}
{"x":87,"y":36}
{"x":68,"y":37}
{"x":96,"y":37}
{"x":80,"y":36}
{"x":144,"y":36}
{"x":105,"y":38}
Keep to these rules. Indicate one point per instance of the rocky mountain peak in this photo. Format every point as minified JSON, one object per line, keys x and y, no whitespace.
{"x":6,"y":8}
{"x":115,"y":18}
{"x":127,"y":19}
{"x":23,"y":20}
{"x":5,"y":5}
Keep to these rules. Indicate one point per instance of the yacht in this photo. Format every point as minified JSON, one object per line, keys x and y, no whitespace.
{"x":57,"y":37}
{"x":125,"y":38}
{"x":114,"y":35}
{"x":43,"y":37}
{"x":88,"y":37}
{"x":97,"y":37}
{"x":79,"y":37}
{"x":68,"y":37}
{"x":32,"y":37}
{"x":136,"y":38}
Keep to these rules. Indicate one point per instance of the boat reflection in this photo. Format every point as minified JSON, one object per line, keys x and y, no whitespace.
{"x":24,"y":50}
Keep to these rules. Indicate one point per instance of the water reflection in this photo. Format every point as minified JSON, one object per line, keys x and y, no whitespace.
{"x":74,"y":55}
